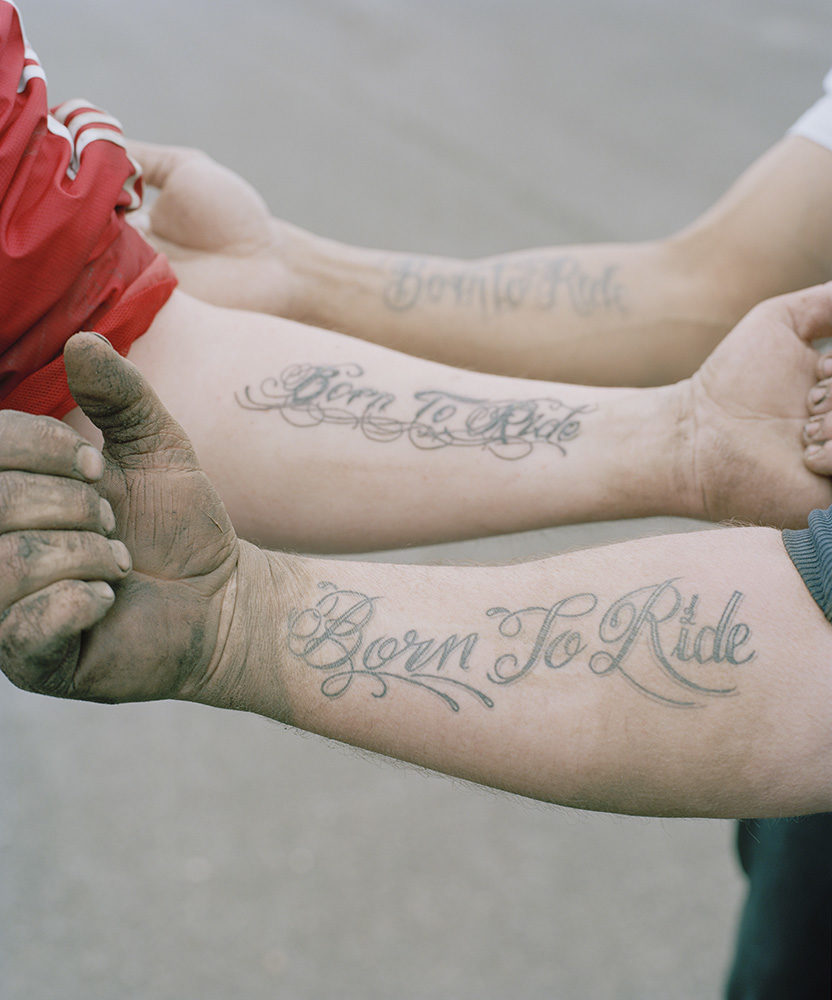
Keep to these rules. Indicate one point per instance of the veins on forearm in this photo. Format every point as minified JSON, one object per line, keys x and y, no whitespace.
{"x":307,"y":395}
{"x":653,"y":638}
{"x":497,"y":288}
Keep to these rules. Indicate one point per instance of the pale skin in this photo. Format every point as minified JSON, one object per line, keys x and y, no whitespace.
{"x":616,"y":314}
{"x":568,"y":680}
{"x":768,"y":232}
{"x":723,"y":444}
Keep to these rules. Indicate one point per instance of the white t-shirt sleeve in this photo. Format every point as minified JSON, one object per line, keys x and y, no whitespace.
{"x":816,"y":123}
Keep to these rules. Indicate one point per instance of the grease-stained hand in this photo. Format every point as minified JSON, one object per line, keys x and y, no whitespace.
{"x":78,"y":617}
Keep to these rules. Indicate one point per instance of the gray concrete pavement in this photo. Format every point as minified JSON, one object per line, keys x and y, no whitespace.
{"x":169,"y":852}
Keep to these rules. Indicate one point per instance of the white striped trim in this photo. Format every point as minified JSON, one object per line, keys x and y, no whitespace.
{"x":30,"y":72}
{"x":79,"y":122}
{"x":63,"y":111}
{"x":82,"y":129}
{"x":56,"y":128}
{"x":92,"y":134}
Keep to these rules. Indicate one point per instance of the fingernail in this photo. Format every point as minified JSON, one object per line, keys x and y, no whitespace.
{"x":102,"y":590}
{"x":812,"y":451}
{"x":89,"y":462}
{"x":817,"y":395}
{"x":121,"y":555}
{"x":826,"y":365}
{"x":812,"y":427}
{"x":100,"y":336}
{"x":108,"y":518}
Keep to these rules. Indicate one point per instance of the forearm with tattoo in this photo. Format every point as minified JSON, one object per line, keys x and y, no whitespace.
{"x":654,"y":638}
{"x":310,"y":395}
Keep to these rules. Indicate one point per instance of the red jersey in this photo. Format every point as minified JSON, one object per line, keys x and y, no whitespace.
{"x":68,"y":259}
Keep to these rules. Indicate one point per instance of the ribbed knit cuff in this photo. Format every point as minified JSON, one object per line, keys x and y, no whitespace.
{"x":811,"y":552}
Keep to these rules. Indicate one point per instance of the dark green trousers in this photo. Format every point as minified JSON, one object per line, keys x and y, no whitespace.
{"x":784,"y":942}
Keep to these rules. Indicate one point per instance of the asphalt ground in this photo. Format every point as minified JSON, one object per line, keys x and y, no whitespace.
{"x":172,"y":852}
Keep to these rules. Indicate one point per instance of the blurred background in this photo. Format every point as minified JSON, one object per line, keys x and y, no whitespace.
{"x":171,"y":852}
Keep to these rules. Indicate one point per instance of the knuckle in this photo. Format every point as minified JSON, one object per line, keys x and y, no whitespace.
{"x":21,"y":553}
{"x":7,"y":419}
{"x":11,"y":487}
{"x":26,"y":438}
{"x":50,"y":431}
{"x":87,"y":503}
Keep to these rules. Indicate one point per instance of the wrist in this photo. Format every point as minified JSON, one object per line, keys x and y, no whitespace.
{"x":660,"y":434}
{"x":285,"y":277}
{"x":246,"y":670}
{"x":336,"y":286}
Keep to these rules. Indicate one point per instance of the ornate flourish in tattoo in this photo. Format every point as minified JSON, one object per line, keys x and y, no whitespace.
{"x":544,"y":283}
{"x":308,"y":395}
{"x":650,"y":637}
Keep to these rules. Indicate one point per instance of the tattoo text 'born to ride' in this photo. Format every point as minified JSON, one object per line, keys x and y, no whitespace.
{"x":497,"y":288}
{"x":307,"y":395}
{"x":652,"y":637}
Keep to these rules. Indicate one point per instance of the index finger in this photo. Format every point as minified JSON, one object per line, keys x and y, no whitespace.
{"x":158,"y":162}
{"x":42,"y":444}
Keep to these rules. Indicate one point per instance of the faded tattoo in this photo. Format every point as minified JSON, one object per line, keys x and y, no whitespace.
{"x":544,"y":283}
{"x":653,"y":638}
{"x":307,"y":395}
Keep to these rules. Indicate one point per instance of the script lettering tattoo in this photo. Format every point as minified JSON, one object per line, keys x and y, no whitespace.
{"x":494,"y":289}
{"x":331,"y":637}
{"x":649,"y":637}
{"x":307,"y":395}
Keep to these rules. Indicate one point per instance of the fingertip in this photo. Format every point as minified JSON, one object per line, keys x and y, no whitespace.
{"x":81,"y":336}
{"x":82,"y":342}
{"x":824,"y":365}
{"x":818,"y":458}
{"x":102,"y":591}
{"x":107,"y":516}
{"x":101,"y":381}
{"x":89,"y":462}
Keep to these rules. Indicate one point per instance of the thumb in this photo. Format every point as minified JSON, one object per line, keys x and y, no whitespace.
{"x":810,"y":311}
{"x":121,"y":403}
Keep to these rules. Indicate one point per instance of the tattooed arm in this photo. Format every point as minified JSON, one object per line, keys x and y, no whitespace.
{"x":678,"y":675}
{"x":617,"y":314}
{"x":320,"y":442}
{"x":657,"y":676}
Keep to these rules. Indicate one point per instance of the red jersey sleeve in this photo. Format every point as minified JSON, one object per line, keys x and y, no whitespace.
{"x":68,"y":258}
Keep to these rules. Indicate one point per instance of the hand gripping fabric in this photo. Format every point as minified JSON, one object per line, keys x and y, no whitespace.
{"x":68,"y":259}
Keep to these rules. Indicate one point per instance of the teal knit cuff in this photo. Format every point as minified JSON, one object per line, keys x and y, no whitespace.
{"x":811,"y":552}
